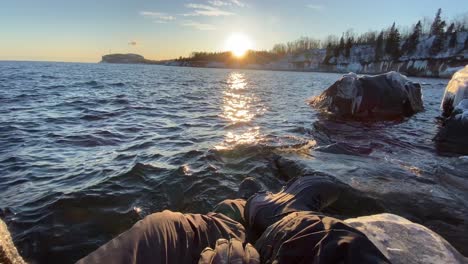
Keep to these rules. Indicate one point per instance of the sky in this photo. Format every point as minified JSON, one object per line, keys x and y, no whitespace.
{"x":83,"y":31}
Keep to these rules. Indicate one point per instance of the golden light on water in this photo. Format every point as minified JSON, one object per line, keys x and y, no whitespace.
{"x":238,"y":44}
{"x":237,"y":101}
{"x":240,"y":107}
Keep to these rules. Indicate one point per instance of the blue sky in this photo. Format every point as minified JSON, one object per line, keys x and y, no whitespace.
{"x":67,"y":30}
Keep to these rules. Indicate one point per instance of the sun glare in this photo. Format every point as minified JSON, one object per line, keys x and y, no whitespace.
{"x":238,"y":44}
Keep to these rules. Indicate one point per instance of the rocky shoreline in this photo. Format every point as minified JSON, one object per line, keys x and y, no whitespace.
{"x":430,"y":67}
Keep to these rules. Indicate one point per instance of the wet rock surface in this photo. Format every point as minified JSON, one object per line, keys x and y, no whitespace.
{"x":403,"y":241}
{"x":383,"y":96}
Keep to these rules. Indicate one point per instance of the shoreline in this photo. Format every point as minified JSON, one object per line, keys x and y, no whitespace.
{"x":300,"y":70}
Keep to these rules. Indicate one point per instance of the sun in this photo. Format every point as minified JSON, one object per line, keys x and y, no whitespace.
{"x":238,"y":44}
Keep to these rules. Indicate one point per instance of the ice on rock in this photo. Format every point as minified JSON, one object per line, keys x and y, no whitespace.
{"x":456,"y":91}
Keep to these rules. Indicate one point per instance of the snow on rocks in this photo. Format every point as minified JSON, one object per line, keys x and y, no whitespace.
{"x":453,"y":135}
{"x":403,"y":241}
{"x":456,"y":91}
{"x":387,"y":95}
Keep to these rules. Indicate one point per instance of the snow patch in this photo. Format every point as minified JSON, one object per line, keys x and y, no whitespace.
{"x":457,"y":88}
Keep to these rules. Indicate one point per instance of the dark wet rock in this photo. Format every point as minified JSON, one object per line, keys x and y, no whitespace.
{"x":248,"y":187}
{"x":287,"y":169}
{"x":345,"y":149}
{"x":383,"y":96}
{"x":403,"y":241}
{"x":453,"y":134}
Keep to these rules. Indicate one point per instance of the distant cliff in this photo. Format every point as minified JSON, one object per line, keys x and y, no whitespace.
{"x":362,"y":59}
{"x":126,"y":59}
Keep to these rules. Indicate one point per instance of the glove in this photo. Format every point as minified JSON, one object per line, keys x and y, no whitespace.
{"x":229,"y":252}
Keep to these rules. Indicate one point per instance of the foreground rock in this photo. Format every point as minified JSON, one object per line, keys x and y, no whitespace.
{"x":389,"y":95}
{"x":453,"y":135}
{"x":403,"y":241}
{"x":8,"y":252}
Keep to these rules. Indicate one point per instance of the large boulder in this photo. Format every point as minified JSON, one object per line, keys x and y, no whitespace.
{"x":453,"y":135}
{"x":405,"y":242}
{"x":389,"y":95}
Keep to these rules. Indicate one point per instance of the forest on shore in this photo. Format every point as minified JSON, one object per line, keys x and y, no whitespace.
{"x":393,"y":43}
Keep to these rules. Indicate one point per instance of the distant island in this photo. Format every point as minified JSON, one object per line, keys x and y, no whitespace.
{"x":128,"y":58}
{"x":428,"y":49}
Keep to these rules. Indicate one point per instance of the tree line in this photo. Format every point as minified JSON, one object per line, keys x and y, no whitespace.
{"x":392,"y":42}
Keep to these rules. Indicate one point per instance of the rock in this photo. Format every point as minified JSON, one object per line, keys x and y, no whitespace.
{"x":456,"y":91}
{"x":453,"y":135}
{"x":8,"y":252}
{"x":248,"y":187}
{"x":403,"y":241}
{"x":383,"y":96}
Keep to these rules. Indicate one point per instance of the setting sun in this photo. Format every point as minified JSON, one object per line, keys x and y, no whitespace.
{"x":238,"y":44}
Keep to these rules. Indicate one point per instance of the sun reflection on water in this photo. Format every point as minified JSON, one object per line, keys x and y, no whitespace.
{"x":237,"y":101}
{"x":240,"y":106}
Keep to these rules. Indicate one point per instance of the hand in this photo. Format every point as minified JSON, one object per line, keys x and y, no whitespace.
{"x":229,"y":252}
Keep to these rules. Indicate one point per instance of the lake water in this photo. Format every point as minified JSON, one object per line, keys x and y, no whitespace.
{"x":86,"y":150}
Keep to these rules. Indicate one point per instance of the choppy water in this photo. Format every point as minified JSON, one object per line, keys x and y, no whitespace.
{"x":88,"y":149}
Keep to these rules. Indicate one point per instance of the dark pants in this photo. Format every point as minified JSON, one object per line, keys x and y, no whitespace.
{"x":167,"y":237}
{"x":305,"y":237}
{"x":289,"y":230}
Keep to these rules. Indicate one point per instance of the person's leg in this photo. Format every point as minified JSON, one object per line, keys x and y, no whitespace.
{"x":167,"y":237}
{"x":304,"y":237}
{"x":232,"y":208}
{"x":309,"y":193}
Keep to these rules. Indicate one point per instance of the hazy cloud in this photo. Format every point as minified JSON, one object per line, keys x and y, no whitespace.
{"x":315,"y":7}
{"x":206,"y":10}
{"x":132,"y":43}
{"x":238,"y":3}
{"x":226,"y":3}
{"x":199,"y":26}
{"x":157,"y":16}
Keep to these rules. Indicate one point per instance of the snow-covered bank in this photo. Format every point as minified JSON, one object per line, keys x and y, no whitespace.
{"x":362,"y":60}
{"x":434,"y":68}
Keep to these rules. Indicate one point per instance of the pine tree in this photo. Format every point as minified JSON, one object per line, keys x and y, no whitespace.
{"x":342,"y":44}
{"x":329,"y":54}
{"x":348,"y":46}
{"x":336,"y":51}
{"x":453,"y":40}
{"x":452,"y":34}
{"x":379,"y":46}
{"x":450,"y":29}
{"x":413,"y":40}
{"x":392,"y":46}
{"x":437,"y":30}
{"x":436,"y":25}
